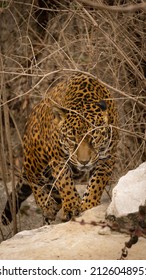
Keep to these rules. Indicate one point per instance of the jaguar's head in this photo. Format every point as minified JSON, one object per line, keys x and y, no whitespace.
{"x":83,"y":135}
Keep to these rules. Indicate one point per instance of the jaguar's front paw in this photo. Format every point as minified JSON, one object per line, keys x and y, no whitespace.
{"x":70,"y":212}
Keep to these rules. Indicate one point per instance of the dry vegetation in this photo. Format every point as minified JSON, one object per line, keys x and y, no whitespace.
{"x":42,"y":41}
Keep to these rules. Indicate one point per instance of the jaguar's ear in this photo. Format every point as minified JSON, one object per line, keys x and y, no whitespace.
{"x":59,"y":114}
{"x":103,"y":105}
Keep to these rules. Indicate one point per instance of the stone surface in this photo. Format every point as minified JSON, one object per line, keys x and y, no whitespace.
{"x":81,"y":239}
{"x":129,"y":193}
{"x":71,"y":240}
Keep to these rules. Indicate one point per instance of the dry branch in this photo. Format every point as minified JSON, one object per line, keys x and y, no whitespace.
{"x":120,"y":8}
{"x":107,"y":42}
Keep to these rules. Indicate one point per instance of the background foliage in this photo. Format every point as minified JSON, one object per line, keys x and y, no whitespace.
{"x":42,"y":41}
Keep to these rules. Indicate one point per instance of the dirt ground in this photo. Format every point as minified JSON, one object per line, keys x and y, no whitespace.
{"x":29,"y":217}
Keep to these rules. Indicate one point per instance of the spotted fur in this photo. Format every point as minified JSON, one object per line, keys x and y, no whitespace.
{"x":71,"y":134}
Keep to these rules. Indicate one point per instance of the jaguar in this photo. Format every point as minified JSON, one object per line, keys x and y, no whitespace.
{"x":71,"y":134}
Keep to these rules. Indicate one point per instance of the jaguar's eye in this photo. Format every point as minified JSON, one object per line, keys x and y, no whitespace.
{"x":92,"y":140}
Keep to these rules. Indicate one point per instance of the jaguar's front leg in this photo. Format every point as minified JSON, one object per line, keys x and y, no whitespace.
{"x":47,"y":198}
{"x":71,"y":201}
{"x":96,"y":186}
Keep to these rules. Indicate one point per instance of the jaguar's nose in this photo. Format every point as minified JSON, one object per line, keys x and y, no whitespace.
{"x":84,"y":153}
{"x":84,"y":162}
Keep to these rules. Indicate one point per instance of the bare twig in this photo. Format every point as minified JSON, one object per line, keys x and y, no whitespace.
{"x":8,"y":138}
{"x":121,"y":8}
{"x":119,"y":49}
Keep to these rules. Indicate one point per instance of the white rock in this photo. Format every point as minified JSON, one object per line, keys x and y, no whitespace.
{"x":104,"y":231}
{"x":82,"y":240}
{"x":129,"y":193}
{"x":71,"y":241}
